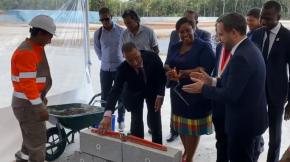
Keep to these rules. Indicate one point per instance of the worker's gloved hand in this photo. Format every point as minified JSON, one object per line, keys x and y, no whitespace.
{"x":42,"y":114}
{"x":105,"y":125}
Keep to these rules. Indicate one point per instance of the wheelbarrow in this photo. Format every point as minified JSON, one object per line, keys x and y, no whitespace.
{"x":71,"y":117}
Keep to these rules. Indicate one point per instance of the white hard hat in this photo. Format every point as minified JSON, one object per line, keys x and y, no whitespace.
{"x":43,"y":22}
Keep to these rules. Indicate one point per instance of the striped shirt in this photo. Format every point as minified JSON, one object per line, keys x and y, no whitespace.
{"x":145,"y":39}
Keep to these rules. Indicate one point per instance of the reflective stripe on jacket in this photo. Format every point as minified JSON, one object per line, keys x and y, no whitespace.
{"x":30,"y":74}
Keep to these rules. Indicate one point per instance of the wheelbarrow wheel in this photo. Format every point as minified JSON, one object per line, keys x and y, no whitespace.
{"x":55,"y":144}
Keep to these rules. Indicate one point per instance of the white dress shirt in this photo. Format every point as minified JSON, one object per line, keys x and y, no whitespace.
{"x":214,"y":80}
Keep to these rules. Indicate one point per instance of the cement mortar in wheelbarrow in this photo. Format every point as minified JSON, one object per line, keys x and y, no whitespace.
{"x":73,"y":117}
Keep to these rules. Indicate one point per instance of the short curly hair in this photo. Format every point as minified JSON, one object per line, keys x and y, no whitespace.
{"x":272,"y":5}
{"x":104,"y":10}
{"x":182,"y":21}
{"x":131,"y":13}
{"x":255,"y":12}
{"x":233,"y":21}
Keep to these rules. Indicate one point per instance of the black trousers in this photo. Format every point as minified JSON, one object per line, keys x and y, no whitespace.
{"x":172,"y":130}
{"x":275,"y":123}
{"x":154,"y":119}
{"x":241,"y":148}
{"x":222,"y":142}
{"x":221,"y":139}
{"x":107,"y":78}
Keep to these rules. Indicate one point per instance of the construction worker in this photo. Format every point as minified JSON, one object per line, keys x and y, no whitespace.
{"x":31,"y":80}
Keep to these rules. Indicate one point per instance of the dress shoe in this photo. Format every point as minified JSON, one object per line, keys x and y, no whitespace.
{"x":18,"y":157}
{"x":21,"y":160}
{"x":121,"y":126}
{"x":150,"y":131}
{"x":172,"y":137}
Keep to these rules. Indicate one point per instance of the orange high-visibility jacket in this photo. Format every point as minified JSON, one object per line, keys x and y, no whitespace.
{"x":30,"y":75}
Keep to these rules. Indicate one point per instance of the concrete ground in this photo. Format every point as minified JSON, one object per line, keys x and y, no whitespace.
{"x":69,"y":61}
{"x":206,"y":151}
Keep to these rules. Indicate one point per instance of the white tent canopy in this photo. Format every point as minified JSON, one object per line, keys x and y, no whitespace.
{"x":68,"y":57}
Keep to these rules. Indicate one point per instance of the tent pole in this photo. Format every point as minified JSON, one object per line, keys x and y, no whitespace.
{"x":85,"y":5}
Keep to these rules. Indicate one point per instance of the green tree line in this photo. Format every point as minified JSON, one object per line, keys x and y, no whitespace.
{"x":152,"y":7}
{"x":207,"y":8}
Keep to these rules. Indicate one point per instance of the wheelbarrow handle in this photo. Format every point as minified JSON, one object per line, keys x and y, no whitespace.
{"x":94,"y":97}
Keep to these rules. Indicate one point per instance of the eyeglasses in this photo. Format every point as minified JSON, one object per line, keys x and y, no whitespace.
{"x":105,"y":19}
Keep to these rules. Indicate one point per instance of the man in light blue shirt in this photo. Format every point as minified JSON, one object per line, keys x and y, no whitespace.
{"x":106,"y":44}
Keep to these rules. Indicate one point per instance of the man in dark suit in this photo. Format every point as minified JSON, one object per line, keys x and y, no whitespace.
{"x":145,"y":79}
{"x":218,"y":112}
{"x":199,"y":33}
{"x":274,"y":41}
{"x":240,"y":88}
{"x":253,"y":20}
